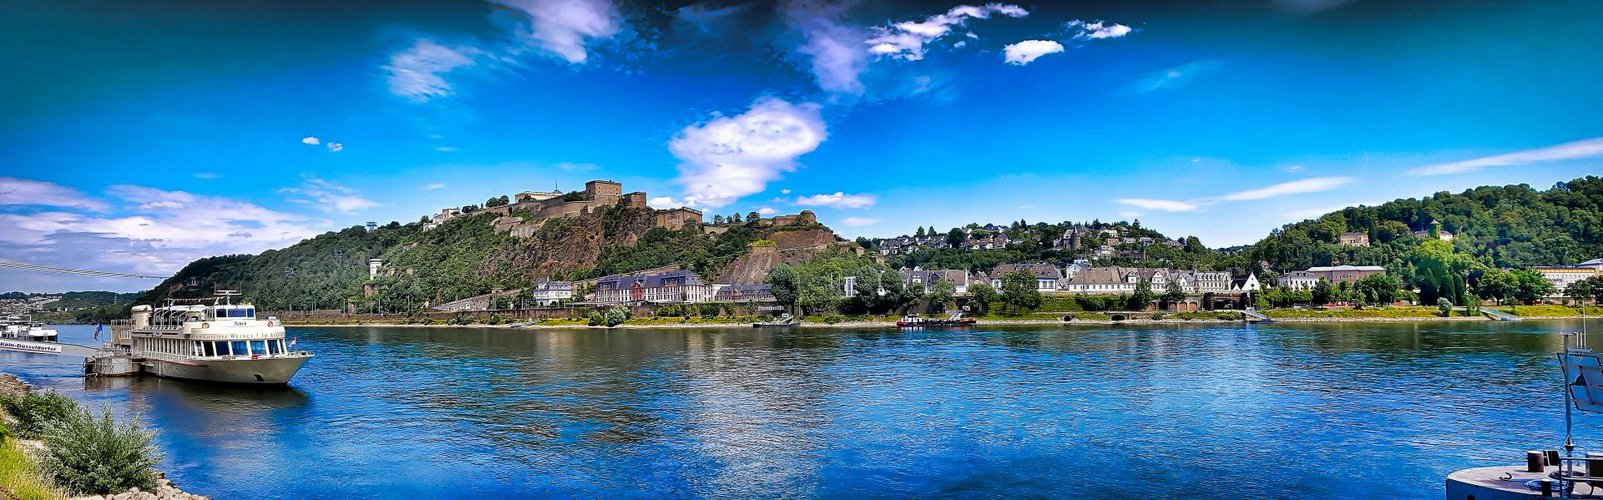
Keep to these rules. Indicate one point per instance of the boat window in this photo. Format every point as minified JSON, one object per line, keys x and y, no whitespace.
{"x":258,"y":346}
{"x":272,"y":347}
{"x":238,"y":348}
{"x":210,"y":348}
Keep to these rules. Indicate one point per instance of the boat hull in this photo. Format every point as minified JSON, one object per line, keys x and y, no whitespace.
{"x":261,"y":371}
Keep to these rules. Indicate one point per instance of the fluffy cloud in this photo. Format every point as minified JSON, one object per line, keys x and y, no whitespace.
{"x":445,"y":149}
{"x":837,"y":200}
{"x":335,"y":147}
{"x":1154,"y":204}
{"x":1310,"y":185}
{"x":767,"y":211}
{"x":1568,"y":151}
{"x":1027,"y":51}
{"x":433,"y":186}
{"x":417,"y":72}
{"x":328,"y":196}
{"x":24,"y":192}
{"x":906,"y":40}
{"x":859,"y":221}
{"x":1096,"y":30}
{"x":161,"y":232}
{"x":662,"y":202}
{"x":310,"y":140}
{"x":726,"y":158}
{"x":563,"y":27}
{"x":834,"y":48}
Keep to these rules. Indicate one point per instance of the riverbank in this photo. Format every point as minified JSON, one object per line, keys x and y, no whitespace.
{"x":1378,"y":315}
{"x":24,"y":477}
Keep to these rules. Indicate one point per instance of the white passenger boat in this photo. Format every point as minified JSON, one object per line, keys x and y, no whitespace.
{"x":19,"y":328}
{"x":206,"y":339}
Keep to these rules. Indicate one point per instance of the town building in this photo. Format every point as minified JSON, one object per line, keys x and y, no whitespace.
{"x":1353,"y":239}
{"x":760,"y":292}
{"x":548,"y":293}
{"x":1297,"y":280}
{"x":1047,"y":276}
{"x":677,"y":287}
{"x":1562,"y":276}
{"x":528,"y":209}
{"x":1338,"y":274}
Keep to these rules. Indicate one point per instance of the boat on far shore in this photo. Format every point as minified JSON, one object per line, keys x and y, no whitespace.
{"x":955,"y":319}
{"x":783,"y":321}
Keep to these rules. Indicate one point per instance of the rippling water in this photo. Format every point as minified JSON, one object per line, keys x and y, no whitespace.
{"x":1333,"y":411}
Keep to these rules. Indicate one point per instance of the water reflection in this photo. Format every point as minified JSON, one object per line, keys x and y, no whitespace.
{"x":1213,"y":410}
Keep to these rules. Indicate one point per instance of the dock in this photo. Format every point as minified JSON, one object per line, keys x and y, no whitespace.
{"x":1500,"y":315}
{"x":1253,"y":316}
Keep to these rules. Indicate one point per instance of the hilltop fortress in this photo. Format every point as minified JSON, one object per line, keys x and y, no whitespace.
{"x":524,"y":212}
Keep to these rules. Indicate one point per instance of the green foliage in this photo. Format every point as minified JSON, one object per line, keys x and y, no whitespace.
{"x":36,"y":410}
{"x":1142,"y":295}
{"x":97,"y":455}
{"x":816,"y":286}
{"x":1322,"y":292}
{"x":1445,"y":306}
{"x":982,"y":295}
{"x":941,"y":293}
{"x":1589,"y":288}
{"x":1019,"y":294}
{"x":21,"y":476}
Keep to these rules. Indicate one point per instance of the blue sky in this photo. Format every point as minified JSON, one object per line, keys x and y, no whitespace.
{"x":137,"y":137}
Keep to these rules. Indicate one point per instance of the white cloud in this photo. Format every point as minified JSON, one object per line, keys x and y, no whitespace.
{"x":417,"y":72}
{"x":1568,"y":151}
{"x":1096,"y":30}
{"x":328,"y":196}
{"x":1310,"y":185}
{"x":433,"y":186}
{"x":726,"y":158}
{"x":563,"y":27}
{"x":837,"y":200}
{"x":834,"y":49}
{"x":859,"y":221}
{"x":1293,"y":168}
{"x":163,"y":232}
{"x":1155,"y":204}
{"x":14,"y":191}
{"x":662,"y":202}
{"x":445,"y":149}
{"x":208,"y":175}
{"x":906,"y":40}
{"x":784,"y":191}
{"x":1027,"y":51}
{"x":1178,"y":76}
{"x":309,"y":140}
{"x":767,"y":211}
{"x":335,"y":147}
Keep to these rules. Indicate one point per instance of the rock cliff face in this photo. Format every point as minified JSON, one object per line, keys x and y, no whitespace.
{"x":790,"y":247}
{"x":561,"y":247}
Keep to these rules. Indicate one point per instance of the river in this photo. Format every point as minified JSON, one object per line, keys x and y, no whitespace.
{"x":1238,"y":411}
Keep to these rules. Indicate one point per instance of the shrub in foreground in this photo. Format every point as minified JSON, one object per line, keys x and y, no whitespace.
{"x":34,"y":411}
{"x":95,"y":455}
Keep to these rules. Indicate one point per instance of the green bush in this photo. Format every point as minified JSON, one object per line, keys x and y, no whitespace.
{"x":833,"y":319}
{"x":96,"y":455}
{"x":36,"y":410}
{"x":5,"y":433}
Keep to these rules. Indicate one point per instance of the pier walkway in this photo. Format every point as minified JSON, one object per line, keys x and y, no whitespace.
{"x":1500,"y":315}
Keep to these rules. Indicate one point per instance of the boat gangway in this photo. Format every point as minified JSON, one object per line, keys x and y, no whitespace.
{"x":1253,"y":316}
{"x":1500,"y":315}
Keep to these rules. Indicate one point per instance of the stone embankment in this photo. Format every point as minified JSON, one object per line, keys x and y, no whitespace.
{"x":11,"y":386}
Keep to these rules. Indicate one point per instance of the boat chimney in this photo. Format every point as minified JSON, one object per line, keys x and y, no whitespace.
{"x":141,"y":316}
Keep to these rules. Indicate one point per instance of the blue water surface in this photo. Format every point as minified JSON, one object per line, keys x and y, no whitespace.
{"x":1219,"y":411}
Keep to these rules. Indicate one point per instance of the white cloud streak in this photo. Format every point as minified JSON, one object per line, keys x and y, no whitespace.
{"x":1028,"y":51}
{"x":858,"y":221}
{"x":837,"y":200}
{"x":26,"y":192}
{"x":1156,"y":204}
{"x":1096,"y":30}
{"x":1176,"y":77}
{"x":564,"y":27}
{"x":328,"y":196}
{"x":906,"y":40}
{"x":1568,"y":151}
{"x":1310,"y":185}
{"x":726,"y":158}
{"x":417,"y":73}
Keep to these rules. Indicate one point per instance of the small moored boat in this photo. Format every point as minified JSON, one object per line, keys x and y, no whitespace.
{"x":955,"y":319}
{"x":783,"y":321}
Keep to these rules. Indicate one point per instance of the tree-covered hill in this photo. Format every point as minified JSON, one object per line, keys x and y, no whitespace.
{"x":1496,"y":226}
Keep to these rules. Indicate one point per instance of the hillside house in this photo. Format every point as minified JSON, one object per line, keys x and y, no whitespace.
{"x":677,"y":287}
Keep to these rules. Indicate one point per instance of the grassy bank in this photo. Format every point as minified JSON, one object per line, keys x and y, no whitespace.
{"x":22,"y":476}
{"x":1389,"y":313}
{"x":1549,"y":311}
